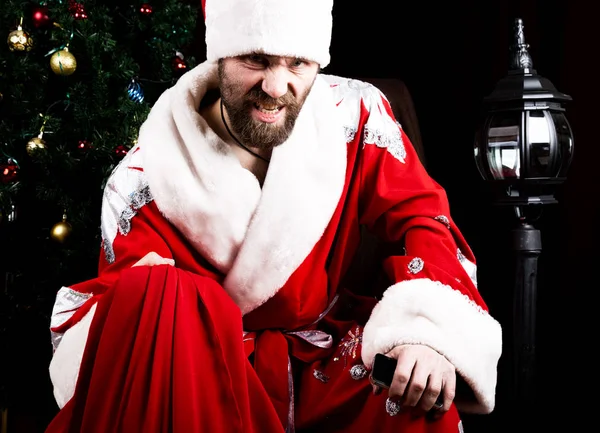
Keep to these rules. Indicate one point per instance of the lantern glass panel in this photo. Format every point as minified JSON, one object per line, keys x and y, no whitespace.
{"x":564,"y":137}
{"x":542,"y":144}
{"x":504,"y":145}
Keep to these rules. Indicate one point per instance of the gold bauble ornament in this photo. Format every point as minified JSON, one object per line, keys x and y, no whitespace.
{"x":61,"y":230}
{"x":19,"y":40}
{"x":63,"y":62}
{"x":35,"y":145}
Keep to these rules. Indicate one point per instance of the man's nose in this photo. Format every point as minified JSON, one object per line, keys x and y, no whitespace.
{"x":275,"y":82}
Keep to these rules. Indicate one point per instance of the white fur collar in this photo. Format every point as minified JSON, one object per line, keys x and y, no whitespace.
{"x":258,"y":238}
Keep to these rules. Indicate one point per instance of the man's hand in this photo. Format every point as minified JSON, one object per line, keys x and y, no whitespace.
{"x":153,"y":259}
{"x":422,"y":374}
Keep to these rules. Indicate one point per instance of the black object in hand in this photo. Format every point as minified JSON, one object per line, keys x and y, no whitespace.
{"x":383,"y":374}
{"x":383,"y":370}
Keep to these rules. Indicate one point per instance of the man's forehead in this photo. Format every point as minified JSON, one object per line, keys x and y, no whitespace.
{"x":270,"y":57}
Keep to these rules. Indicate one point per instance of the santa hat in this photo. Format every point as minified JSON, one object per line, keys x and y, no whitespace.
{"x":294,"y":28}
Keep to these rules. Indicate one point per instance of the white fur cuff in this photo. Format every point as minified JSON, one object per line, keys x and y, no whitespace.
{"x":66,"y":360}
{"x":427,"y":312}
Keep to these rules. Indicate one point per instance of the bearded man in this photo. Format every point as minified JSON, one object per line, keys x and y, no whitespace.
{"x":227,"y":231}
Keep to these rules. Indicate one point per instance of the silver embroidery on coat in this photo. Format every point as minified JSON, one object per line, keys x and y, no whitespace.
{"x":349,"y":133}
{"x":137,"y":200}
{"x":319,"y":375}
{"x":349,"y":345}
{"x":416,"y":265}
{"x":358,"y":372}
{"x":67,"y":301}
{"x":392,"y":141}
{"x":109,"y":254}
{"x":444,"y":220}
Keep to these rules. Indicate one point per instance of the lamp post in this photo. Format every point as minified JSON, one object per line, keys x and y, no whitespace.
{"x":523,"y":149}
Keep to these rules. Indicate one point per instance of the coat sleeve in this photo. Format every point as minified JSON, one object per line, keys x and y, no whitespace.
{"x":128,"y":224}
{"x":434,"y":299}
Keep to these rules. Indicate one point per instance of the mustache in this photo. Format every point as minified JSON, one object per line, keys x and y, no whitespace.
{"x":258,"y":95}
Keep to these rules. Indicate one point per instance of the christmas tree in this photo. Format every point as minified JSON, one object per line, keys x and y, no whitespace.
{"x":77,"y":79}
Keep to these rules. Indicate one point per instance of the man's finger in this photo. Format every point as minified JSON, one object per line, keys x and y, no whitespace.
{"x":402,"y":377}
{"x":448,"y":391}
{"x":153,"y":259}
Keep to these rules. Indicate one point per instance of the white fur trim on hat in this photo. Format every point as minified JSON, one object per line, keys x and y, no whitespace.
{"x":277,"y":27}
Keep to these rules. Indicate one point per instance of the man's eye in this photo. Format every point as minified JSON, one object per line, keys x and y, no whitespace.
{"x":298,"y":63}
{"x":258,"y":59}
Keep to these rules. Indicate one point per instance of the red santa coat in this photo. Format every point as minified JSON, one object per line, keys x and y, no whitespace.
{"x":166,"y":348}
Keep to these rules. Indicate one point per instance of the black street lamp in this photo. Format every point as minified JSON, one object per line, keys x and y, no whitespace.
{"x":523,"y":149}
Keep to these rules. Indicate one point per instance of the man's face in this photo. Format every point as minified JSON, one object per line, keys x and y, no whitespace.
{"x":263,"y":96}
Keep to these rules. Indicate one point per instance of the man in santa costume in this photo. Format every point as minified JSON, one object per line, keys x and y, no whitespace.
{"x":221,"y":303}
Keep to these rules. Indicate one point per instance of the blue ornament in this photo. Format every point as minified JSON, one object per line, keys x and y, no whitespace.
{"x":135,"y":92}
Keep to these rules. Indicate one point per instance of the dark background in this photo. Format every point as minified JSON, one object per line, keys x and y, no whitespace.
{"x":450,"y":55}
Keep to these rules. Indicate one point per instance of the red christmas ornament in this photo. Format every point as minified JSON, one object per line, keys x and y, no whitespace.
{"x":40,"y":17}
{"x":179,"y":64}
{"x":9,"y":171}
{"x":146,"y":9}
{"x":80,"y":14}
{"x":84,"y":145}
{"x":77,"y":10}
{"x":121,"y":151}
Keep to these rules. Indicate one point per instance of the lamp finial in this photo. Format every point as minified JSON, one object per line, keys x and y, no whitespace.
{"x":521,"y":58}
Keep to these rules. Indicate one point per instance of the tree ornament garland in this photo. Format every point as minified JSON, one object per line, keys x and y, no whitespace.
{"x":179,"y":64}
{"x":63,"y":62}
{"x":37,"y":144}
{"x":146,"y":9}
{"x":40,"y":17}
{"x":9,"y":170}
{"x":19,"y":39}
{"x":121,"y":151}
{"x":61,"y":231}
{"x":83,"y":146}
{"x":77,"y":10}
{"x":135,"y":91}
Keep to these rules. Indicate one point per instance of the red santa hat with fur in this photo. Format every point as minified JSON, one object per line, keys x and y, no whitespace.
{"x":294,"y":28}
